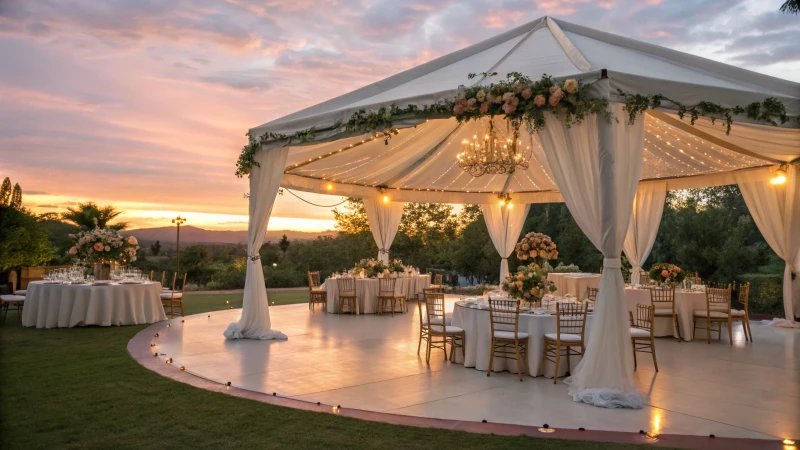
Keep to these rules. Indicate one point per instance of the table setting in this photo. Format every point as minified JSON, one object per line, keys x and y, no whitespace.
{"x":366,"y":273}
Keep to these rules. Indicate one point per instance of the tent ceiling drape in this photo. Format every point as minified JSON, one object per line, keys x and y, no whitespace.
{"x":419,"y":164}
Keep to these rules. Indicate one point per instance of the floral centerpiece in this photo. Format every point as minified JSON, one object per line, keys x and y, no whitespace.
{"x":536,"y":248}
{"x":561,"y":268}
{"x":666,"y":273}
{"x":396,"y":266}
{"x":103,"y":247}
{"x":371,"y":267}
{"x":529,"y":283}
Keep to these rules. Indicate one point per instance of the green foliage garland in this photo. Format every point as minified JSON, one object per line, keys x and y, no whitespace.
{"x":770,"y":110}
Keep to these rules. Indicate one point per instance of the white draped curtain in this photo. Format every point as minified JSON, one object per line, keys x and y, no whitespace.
{"x":265,"y":181}
{"x":648,"y":206}
{"x":776,"y":212}
{"x":384,"y":220}
{"x":596,"y":167}
{"x":504,"y":224}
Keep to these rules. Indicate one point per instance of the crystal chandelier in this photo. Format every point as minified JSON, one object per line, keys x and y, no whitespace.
{"x":491,"y":155}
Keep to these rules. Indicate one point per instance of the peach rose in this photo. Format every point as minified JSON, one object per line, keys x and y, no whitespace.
{"x":484,"y":108}
{"x":73,"y":251}
{"x":98,"y":247}
{"x":539,"y":100}
{"x":543,"y":253}
{"x":132,"y":241}
{"x":527,"y":93}
{"x":571,"y":85}
{"x":554,"y":100}
{"x":665,"y":273}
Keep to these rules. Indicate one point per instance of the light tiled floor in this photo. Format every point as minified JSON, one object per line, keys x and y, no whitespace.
{"x":371,"y":363}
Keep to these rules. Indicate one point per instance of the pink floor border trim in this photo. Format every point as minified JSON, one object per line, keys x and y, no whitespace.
{"x":139,"y":348}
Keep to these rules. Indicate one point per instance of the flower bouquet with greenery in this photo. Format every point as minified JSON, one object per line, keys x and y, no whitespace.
{"x":536,"y":248}
{"x":396,"y":266}
{"x":666,"y":273}
{"x":561,"y":268}
{"x":529,"y":283}
{"x":103,"y":246}
{"x":371,"y":267}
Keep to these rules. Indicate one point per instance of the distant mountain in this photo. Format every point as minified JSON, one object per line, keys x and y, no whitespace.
{"x":190,"y":234}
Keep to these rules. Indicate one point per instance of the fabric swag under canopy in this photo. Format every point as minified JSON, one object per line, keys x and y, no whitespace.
{"x":612,"y":174}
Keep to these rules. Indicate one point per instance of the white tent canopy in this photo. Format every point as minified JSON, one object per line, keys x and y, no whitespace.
{"x":419,"y":163}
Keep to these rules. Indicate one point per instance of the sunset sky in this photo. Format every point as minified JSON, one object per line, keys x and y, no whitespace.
{"x":144,"y":104}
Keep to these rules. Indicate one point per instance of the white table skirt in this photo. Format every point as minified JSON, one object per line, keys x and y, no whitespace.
{"x":57,"y":305}
{"x":686,"y":303}
{"x":477,"y":327}
{"x":367,"y":292}
{"x":574,"y":283}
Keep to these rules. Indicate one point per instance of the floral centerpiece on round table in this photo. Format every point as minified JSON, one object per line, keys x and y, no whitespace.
{"x":371,"y":267}
{"x":104,"y":247}
{"x":529,"y":283}
{"x":536,"y":248}
{"x":666,"y":273}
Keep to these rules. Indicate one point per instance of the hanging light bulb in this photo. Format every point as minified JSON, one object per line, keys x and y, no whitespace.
{"x":329,"y":186}
{"x":385,"y":199}
{"x":502,"y":203}
{"x":510,"y":205}
{"x":779,"y":177}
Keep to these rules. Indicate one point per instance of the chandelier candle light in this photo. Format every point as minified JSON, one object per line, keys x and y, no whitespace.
{"x":493,"y":156}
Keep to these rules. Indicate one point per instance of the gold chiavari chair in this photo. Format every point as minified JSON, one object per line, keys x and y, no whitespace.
{"x":743,"y":315}
{"x":663,"y":301}
{"x":347,"y":294}
{"x":424,"y":331}
{"x":507,"y":341}
{"x":718,"y":311}
{"x":438,"y":282}
{"x":151,"y":275}
{"x":571,"y":325}
{"x":316,"y":294}
{"x":387,"y":296}
{"x":439,"y":333}
{"x":173,"y":298}
{"x":642,"y":336}
{"x":591,"y":293}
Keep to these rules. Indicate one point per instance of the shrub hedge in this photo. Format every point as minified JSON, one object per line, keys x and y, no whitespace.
{"x":766,"y":292}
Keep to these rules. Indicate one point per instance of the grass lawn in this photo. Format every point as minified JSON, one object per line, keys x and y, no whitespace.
{"x":79,"y":388}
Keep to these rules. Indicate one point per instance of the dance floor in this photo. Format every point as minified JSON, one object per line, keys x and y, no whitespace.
{"x":371,"y":363}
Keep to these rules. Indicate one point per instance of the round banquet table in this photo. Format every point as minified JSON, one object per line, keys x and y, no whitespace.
{"x":574,"y":283}
{"x":367,"y":292}
{"x":475,"y":322}
{"x":50,"y":305}
{"x":686,"y":303}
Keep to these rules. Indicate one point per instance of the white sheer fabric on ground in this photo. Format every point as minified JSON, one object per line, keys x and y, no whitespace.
{"x":596,"y":166}
{"x":265,"y":181}
{"x":384,"y":219}
{"x":648,"y":206}
{"x":776,"y":211}
{"x":504,"y":224}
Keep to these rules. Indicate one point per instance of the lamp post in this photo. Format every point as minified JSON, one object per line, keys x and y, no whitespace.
{"x":178,"y":221}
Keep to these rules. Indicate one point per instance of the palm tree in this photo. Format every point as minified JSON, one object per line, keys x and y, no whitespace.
{"x":791,"y":7}
{"x":88,"y":215}
{"x":283,"y":244}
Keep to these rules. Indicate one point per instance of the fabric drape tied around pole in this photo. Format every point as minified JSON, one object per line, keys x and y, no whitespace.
{"x":384,"y":220}
{"x":612,"y":263}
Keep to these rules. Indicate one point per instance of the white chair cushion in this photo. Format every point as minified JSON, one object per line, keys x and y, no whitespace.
{"x":509,"y":334}
{"x":663,"y":312}
{"x":21,"y":292}
{"x":737,"y":313}
{"x":714,"y":314}
{"x":169,"y":295}
{"x":12,"y":298}
{"x":437,"y":321}
{"x":639,"y":333}
{"x":450,"y":329}
{"x":566,"y":337}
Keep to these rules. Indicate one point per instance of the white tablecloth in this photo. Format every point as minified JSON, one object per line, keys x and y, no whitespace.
{"x":686,"y":303}
{"x":475,"y":323}
{"x":58,"y":305}
{"x":367,"y":292}
{"x":574,"y":283}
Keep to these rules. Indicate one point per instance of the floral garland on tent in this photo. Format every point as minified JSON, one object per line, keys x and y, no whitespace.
{"x":520,"y":100}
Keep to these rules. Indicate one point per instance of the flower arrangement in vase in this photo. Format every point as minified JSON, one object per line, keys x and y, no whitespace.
{"x":529,"y":283}
{"x":666,"y":273}
{"x":103,"y":247}
{"x":371,"y":267}
{"x":536,"y":248}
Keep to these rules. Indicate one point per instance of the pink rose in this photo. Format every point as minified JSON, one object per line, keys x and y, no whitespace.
{"x":665,"y":273}
{"x":526,"y":247}
{"x":554,"y":100}
{"x":132,"y":241}
{"x":539,"y":100}
{"x":73,"y":251}
{"x":484,"y":108}
{"x":527,"y":93}
{"x":459,"y":109}
{"x":471,"y":102}
{"x":98,"y":247}
{"x":508,"y":108}
{"x":553,"y":89}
